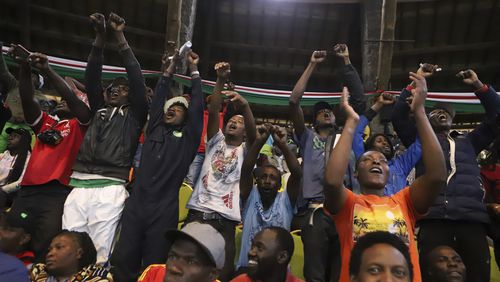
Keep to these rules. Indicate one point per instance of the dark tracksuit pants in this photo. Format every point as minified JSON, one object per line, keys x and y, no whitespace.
{"x":45,"y":203}
{"x":142,"y":237}
{"x":321,"y":247}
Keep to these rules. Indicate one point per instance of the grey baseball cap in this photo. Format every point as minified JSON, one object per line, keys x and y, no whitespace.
{"x":205,"y":236}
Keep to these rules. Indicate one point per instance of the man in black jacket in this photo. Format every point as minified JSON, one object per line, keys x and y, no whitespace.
{"x":105,"y":157}
{"x":172,"y":138}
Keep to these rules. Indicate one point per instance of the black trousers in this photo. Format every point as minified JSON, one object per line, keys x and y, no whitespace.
{"x":494,"y":234}
{"x":227,"y":229}
{"x":142,"y":237}
{"x":467,"y":238}
{"x":321,"y":247}
{"x":45,"y":203}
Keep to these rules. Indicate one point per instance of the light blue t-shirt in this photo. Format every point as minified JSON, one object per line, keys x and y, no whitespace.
{"x":255,"y":218}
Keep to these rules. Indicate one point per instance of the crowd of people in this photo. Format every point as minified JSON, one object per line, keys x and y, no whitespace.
{"x":89,"y":183}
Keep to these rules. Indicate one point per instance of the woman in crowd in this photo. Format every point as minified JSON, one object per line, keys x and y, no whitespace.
{"x":71,"y":258}
{"x":13,"y":162}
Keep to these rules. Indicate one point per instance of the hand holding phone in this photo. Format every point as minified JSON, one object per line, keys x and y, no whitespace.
{"x":19,"y":53}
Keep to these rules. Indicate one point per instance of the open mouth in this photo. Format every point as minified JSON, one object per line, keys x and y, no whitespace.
{"x":442,"y":117}
{"x":375,"y":170}
{"x":252,"y":263}
{"x":170,"y":114}
{"x":113,"y":94}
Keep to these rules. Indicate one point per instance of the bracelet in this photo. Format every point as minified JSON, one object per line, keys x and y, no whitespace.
{"x":195,"y":73}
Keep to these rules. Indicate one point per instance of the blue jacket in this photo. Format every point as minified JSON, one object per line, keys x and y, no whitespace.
{"x":399,"y":167}
{"x":12,"y":269}
{"x":462,"y":198}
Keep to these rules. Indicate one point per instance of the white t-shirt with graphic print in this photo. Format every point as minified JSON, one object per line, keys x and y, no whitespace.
{"x":218,"y":187}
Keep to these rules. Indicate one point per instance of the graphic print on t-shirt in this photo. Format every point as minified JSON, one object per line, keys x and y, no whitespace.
{"x":223,"y":165}
{"x":379,"y":218}
{"x":228,"y":200}
{"x":318,"y":144}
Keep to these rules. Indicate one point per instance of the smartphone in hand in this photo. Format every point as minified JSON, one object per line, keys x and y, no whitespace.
{"x":17,"y":51}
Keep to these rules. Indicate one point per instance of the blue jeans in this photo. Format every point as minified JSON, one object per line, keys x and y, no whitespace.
{"x":195,"y":169}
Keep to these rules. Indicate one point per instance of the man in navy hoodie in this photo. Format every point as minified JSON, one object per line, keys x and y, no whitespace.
{"x":458,"y":217}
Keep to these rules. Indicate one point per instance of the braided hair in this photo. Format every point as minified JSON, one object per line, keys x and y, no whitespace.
{"x":89,"y":252}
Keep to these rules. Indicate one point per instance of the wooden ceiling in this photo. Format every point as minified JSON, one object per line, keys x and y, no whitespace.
{"x":455,"y":34}
{"x":268,"y":42}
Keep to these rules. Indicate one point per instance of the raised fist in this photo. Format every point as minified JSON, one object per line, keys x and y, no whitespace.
{"x":263,"y":132}
{"x":385,"y":99}
{"x":192,"y":58}
{"x":469,"y":77}
{"x":279,"y":135}
{"x":427,"y":70}
{"x":341,"y":50}
{"x":223,"y":70}
{"x":98,"y":22}
{"x":116,"y":22}
{"x":318,"y":56}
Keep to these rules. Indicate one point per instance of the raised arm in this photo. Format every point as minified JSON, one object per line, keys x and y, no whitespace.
{"x":336,"y":166}
{"x":93,"y":71}
{"x":351,"y":79}
{"x":296,"y":114}
{"x":77,"y":106}
{"x":246,"y":178}
{"x":403,"y":124}
{"x":294,"y":181}
{"x":74,"y":83}
{"x":7,"y":80}
{"x":30,"y":108}
{"x":168,"y":68}
{"x":486,"y":94}
{"x":195,"y":111}
{"x":484,"y":134}
{"x":242,"y":105}
{"x":380,"y":101}
{"x":162,"y":91}
{"x":137,"y":85}
{"x":223,"y":70}
{"x":425,"y":188}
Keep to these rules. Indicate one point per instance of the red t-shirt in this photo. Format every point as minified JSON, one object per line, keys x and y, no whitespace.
{"x":155,"y":273}
{"x":491,"y":177}
{"x":49,"y":162}
{"x":27,"y":257}
{"x":245,"y":278}
{"x":362,"y":214}
{"x":201,"y":148}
